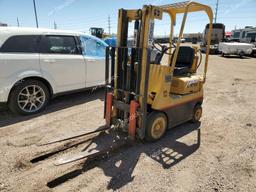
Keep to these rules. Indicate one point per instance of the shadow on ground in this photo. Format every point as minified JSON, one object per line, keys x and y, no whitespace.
{"x":56,"y":104}
{"x":119,"y":166}
{"x":236,"y":57}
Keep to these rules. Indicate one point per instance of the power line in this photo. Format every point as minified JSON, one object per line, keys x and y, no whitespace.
{"x":91,"y":20}
{"x":83,"y":23}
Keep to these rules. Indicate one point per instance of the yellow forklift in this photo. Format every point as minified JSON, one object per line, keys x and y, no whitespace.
{"x":146,"y":94}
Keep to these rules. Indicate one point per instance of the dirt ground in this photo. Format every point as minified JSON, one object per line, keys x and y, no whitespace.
{"x":218,"y":154}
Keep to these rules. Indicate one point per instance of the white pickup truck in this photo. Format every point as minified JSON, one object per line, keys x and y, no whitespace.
{"x":235,"y":48}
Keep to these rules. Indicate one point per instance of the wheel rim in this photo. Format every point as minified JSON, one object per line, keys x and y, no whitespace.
{"x":158,"y":128}
{"x":31,"y":98}
{"x":198,"y":114}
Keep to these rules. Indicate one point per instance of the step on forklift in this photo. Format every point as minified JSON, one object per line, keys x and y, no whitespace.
{"x":145,"y":94}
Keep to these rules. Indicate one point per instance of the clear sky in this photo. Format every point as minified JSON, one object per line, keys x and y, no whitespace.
{"x":83,"y":14}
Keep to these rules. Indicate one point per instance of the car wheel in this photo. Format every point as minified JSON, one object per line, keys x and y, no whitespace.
{"x":241,"y":54}
{"x":197,"y":113}
{"x":28,"y":97}
{"x":156,"y":126}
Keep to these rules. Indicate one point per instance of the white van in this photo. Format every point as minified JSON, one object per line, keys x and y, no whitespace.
{"x":37,"y":64}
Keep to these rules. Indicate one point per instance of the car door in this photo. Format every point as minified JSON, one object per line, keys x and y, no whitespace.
{"x":19,"y":58}
{"x":94,"y":55}
{"x":62,"y":61}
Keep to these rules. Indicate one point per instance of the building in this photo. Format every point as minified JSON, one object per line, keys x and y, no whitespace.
{"x":190,"y":36}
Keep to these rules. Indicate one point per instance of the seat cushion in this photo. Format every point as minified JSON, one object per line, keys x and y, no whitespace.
{"x":180,"y":71}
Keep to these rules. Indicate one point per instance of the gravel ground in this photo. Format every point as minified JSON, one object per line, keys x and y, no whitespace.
{"x":218,"y":154}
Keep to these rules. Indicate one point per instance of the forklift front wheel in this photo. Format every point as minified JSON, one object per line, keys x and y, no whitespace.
{"x":156,"y":126}
{"x":197,"y":113}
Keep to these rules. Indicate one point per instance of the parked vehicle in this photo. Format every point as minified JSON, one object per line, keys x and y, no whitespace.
{"x":38,"y":64}
{"x":218,"y":35}
{"x":183,"y":40}
{"x":235,"y":48}
{"x":235,"y":35}
{"x":227,"y":36}
{"x":251,"y":38}
{"x":97,"y":32}
{"x":243,"y":35}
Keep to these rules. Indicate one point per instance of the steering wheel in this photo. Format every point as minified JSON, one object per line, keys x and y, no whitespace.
{"x":164,"y":48}
{"x":200,"y":58}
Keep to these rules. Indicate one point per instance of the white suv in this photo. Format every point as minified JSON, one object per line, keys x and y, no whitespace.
{"x":37,"y":64}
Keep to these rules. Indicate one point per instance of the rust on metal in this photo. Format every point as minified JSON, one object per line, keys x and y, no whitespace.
{"x":109,"y":108}
{"x":132,"y":119}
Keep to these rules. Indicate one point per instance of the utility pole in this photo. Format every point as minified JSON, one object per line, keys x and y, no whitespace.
{"x":35,"y":13}
{"x":55,"y":25}
{"x":216,"y":11}
{"x":18,"y":23}
{"x":109,"y":25}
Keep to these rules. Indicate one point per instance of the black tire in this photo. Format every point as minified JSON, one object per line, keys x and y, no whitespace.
{"x":15,"y":95}
{"x":197,"y":113}
{"x":241,"y":54}
{"x":222,"y":54}
{"x":153,"y":117}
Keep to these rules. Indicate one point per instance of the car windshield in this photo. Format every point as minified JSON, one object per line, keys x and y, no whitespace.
{"x":252,"y":36}
{"x":236,"y":34}
{"x":92,"y":47}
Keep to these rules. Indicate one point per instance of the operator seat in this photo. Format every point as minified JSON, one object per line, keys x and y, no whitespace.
{"x":184,"y":61}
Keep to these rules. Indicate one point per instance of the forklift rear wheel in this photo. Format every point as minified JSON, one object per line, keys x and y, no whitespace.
{"x":156,"y":126}
{"x":197,"y":113}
